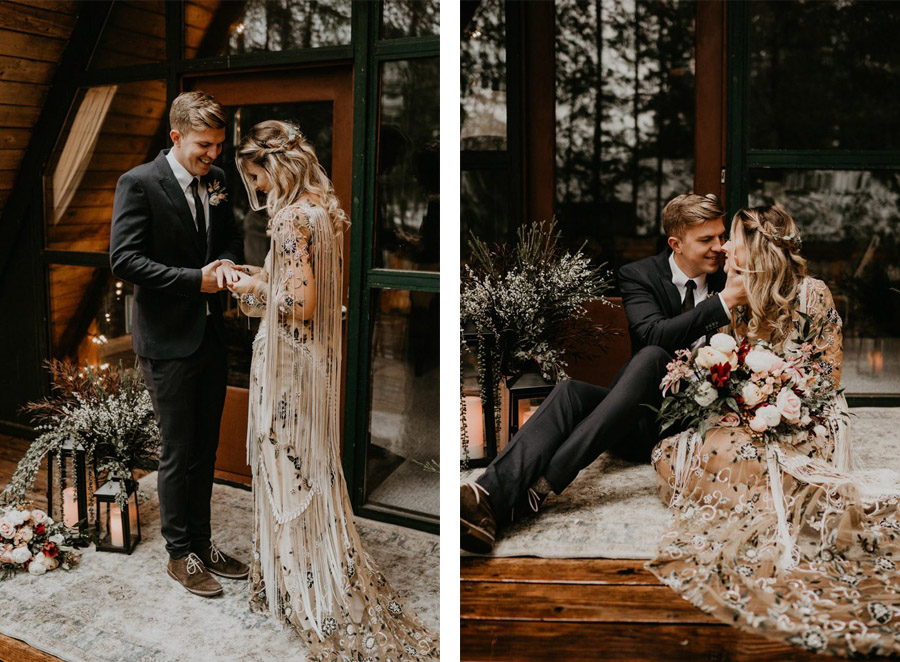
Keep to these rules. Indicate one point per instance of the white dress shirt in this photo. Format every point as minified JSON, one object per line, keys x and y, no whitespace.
{"x":184,"y":179}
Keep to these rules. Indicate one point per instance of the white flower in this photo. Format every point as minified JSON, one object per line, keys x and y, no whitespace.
{"x":752,"y":394}
{"x":788,"y":405}
{"x":26,"y":515}
{"x":758,"y":424}
{"x":26,"y":533}
{"x":706,"y":394}
{"x":820,"y":432}
{"x":724,"y":343}
{"x":707,"y":357}
{"x":21,"y":555}
{"x":36,"y":568}
{"x":748,"y":451}
{"x":770,"y":415}
{"x":16,"y":517}
{"x":39,"y":516}
{"x":884,"y":563}
{"x":7,"y":528}
{"x":880,"y":612}
{"x":58,"y":539}
{"x":761,"y":360}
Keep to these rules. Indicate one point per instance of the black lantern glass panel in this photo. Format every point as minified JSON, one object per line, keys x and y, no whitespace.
{"x":119,"y":528}
{"x":480,"y":423}
{"x":526,"y":393}
{"x":69,"y":484}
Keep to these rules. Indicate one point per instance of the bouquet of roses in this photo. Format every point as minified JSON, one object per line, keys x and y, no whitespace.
{"x":30,"y":540}
{"x":726,"y":384}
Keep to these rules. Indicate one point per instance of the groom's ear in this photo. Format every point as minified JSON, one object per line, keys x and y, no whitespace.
{"x":674,"y":244}
{"x":175,"y":136}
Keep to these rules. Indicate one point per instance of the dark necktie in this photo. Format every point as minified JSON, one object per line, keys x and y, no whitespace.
{"x":198,"y":206}
{"x":688,"y":303}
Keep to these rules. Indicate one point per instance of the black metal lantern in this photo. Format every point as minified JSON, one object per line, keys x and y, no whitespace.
{"x":67,"y":479}
{"x":526,"y":393}
{"x":119,"y":528}
{"x":480,"y":430}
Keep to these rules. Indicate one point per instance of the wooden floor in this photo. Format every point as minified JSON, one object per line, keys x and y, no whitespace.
{"x":567,"y":610}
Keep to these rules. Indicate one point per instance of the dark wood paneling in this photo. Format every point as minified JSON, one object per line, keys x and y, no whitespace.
{"x":22,"y":94}
{"x":26,"y":71}
{"x":36,"y":20}
{"x":20,"y":117}
{"x":31,"y":47}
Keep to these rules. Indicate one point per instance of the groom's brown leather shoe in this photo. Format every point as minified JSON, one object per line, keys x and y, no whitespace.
{"x":190,"y":573}
{"x":219,"y":563}
{"x":478,"y":527}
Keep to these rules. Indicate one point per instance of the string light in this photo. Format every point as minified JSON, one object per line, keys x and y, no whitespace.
{"x":239,"y":28}
{"x":475,"y":34}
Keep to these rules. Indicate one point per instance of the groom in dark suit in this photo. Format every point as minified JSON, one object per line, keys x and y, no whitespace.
{"x":672,"y":300}
{"x":174,"y":237}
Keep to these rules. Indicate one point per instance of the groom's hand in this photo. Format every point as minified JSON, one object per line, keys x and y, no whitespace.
{"x":208,"y":281}
{"x":734,"y":293}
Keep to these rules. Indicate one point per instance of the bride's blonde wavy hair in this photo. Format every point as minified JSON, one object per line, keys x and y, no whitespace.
{"x":774,"y":271}
{"x":293,"y":170}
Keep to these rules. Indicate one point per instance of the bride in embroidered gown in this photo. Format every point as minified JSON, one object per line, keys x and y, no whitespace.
{"x":309,"y":567}
{"x":788,"y":542}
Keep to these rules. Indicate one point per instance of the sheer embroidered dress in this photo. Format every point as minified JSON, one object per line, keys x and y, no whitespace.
{"x":785,"y":540}
{"x":309,"y":567}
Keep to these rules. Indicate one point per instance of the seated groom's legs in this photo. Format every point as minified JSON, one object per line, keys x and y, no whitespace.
{"x":618,"y":422}
{"x":527,"y":456}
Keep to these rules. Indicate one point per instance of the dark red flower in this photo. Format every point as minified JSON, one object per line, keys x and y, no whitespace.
{"x":50,"y":549}
{"x":742,"y":351}
{"x":719,"y":374}
{"x":40,"y":530}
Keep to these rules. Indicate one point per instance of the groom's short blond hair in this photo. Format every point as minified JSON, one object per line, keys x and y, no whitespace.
{"x":688,"y":210}
{"x":195,"y":111}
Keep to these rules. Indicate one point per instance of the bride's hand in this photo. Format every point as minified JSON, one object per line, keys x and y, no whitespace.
{"x":245,"y":284}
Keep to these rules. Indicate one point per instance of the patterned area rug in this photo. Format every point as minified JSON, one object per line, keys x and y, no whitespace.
{"x":612,"y":509}
{"x":119,"y":607}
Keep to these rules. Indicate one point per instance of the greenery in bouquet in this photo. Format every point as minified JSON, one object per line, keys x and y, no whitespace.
{"x":531,"y":297}
{"x":30,"y":540}
{"x":106,"y":412}
{"x":784,"y":396}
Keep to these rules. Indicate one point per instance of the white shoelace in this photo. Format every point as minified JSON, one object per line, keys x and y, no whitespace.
{"x":534,"y":499}
{"x":214,"y":554}
{"x":479,"y":490}
{"x":194,"y":564}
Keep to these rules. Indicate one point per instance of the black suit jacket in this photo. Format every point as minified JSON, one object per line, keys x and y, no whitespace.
{"x":653,"y":306}
{"x":154,"y":244}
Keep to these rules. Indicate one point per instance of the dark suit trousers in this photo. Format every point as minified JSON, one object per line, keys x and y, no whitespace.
{"x":188,"y":397}
{"x":574,"y":425}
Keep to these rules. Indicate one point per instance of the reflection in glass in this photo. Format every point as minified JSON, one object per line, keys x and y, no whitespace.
{"x":624,"y":121}
{"x":824,"y":75}
{"x":404,"y":430}
{"x":407,"y":224}
{"x":410,"y":18}
{"x":483,"y":68}
{"x":850,"y":224}
{"x":111,"y":130}
{"x":484,"y":206}
{"x":316,"y":121}
{"x":228,"y":28}
{"x":90,"y":316}
{"x":134,"y":34}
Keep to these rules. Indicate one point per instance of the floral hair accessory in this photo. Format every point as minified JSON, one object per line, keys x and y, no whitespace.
{"x":217,"y":193}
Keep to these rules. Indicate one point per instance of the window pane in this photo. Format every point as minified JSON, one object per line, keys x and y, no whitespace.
{"x":850,"y":224}
{"x":483,"y":85}
{"x":410,"y":18}
{"x":404,"y":423}
{"x":228,"y":28}
{"x":484,"y":206}
{"x":824,"y":75}
{"x":90,"y":316}
{"x":407,"y":225}
{"x":111,"y":130}
{"x":135,"y":34}
{"x":624,"y":121}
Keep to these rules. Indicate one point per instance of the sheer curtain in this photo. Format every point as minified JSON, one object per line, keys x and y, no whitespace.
{"x":80,"y":147}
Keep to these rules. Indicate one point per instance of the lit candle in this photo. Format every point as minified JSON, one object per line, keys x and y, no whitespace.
{"x":115,"y":526}
{"x":70,"y":507}
{"x":475,"y":427}
{"x":526,"y":415}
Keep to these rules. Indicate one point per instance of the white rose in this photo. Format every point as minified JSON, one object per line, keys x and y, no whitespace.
{"x":21,"y":554}
{"x":39,"y":516}
{"x":7,"y":528}
{"x":707,"y":357}
{"x":15,"y":517}
{"x":805,"y":418}
{"x":758,"y":424}
{"x":722,"y":342}
{"x":760,"y":360}
{"x":752,"y":394}
{"x":26,"y":515}
{"x":37,"y":568}
{"x":706,"y":394}
{"x":26,"y":533}
{"x":820,"y":432}
{"x":770,"y":415}
{"x":58,"y":539}
{"x":788,"y":405}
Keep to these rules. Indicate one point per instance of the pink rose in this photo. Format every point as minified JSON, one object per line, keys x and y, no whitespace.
{"x":7,"y":528}
{"x":758,"y":424}
{"x":788,"y":405}
{"x":752,"y":394}
{"x":729,"y":420}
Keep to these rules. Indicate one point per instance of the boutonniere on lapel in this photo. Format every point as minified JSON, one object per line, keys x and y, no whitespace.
{"x":217,"y":193}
